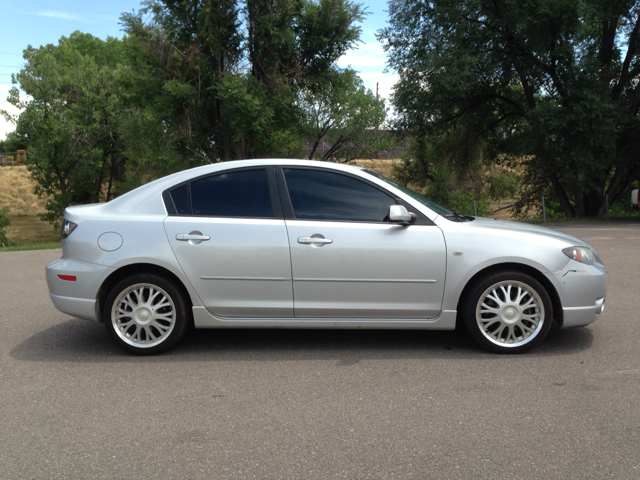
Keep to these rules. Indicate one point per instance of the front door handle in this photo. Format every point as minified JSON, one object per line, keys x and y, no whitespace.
{"x":312,"y":240}
{"x":193,"y":238}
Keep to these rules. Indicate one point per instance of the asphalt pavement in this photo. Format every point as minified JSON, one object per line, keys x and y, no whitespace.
{"x":319,"y":404}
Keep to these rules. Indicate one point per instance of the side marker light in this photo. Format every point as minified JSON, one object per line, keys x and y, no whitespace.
{"x":68,"y":278}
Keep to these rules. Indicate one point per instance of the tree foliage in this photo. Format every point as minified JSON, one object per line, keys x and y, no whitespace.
{"x":552,"y":83}
{"x":249,"y":79}
{"x":12,"y":142}
{"x":340,"y":110}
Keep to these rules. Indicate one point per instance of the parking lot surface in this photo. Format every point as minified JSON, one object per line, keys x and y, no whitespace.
{"x":320,"y":404}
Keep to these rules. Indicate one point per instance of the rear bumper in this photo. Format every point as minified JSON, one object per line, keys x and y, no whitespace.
{"x":78,"y":307}
{"x":76,"y":297}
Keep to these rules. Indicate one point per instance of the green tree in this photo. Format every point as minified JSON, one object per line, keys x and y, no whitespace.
{"x":340,"y":109}
{"x":552,"y":83}
{"x":12,"y":142}
{"x":197,"y":42}
{"x":249,"y":82}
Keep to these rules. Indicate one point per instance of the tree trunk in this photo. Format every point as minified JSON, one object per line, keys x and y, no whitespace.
{"x":561,"y":196}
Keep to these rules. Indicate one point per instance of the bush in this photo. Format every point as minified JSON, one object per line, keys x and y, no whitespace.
{"x":429,"y":167}
{"x":463,"y":203}
{"x":444,"y":189}
{"x":5,"y":221}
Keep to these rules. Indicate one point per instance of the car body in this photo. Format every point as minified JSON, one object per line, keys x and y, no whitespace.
{"x":304,"y":244}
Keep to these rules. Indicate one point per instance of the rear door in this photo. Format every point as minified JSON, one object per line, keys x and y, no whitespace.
{"x":230,"y":239}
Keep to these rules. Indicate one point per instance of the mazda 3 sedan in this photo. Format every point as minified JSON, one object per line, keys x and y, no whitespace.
{"x":302,"y":244}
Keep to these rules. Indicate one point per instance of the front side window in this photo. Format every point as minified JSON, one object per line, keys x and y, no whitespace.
{"x":319,"y":195}
{"x":243,"y":193}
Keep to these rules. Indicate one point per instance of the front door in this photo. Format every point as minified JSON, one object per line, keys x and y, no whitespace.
{"x":348,"y":261}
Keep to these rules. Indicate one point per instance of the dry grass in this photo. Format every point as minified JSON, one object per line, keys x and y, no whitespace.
{"x":30,"y":230}
{"x":16,"y":192}
{"x":25,"y":208}
{"x":382,"y":166}
{"x":502,"y":214}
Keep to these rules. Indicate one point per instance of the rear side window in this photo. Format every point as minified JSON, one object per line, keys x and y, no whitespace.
{"x":243,"y":193}
{"x":318,"y":195}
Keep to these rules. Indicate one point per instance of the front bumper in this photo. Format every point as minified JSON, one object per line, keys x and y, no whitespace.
{"x":582,"y":290}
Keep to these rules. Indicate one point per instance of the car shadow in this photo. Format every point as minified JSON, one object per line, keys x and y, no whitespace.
{"x":80,"y":341}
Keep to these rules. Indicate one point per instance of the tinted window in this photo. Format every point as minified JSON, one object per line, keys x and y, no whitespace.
{"x":180,"y":198}
{"x":321,"y":195}
{"x":243,"y":193}
{"x":415,"y":195}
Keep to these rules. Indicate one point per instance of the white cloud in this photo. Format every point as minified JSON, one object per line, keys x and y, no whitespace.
{"x":365,"y":57}
{"x":6,"y":127}
{"x":385,"y":81}
{"x":370,"y":62}
{"x":85,"y":18}
{"x":60,"y":15}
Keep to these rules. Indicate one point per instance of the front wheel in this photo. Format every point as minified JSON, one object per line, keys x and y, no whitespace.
{"x":145,"y":314}
{"x":507,"y":312}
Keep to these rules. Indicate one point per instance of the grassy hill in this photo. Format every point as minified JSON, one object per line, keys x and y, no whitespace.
{"x":25,"y":208}
{"x":16,"y":192}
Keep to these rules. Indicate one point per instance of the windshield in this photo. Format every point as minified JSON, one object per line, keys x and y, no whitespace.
{"x":415,"y":195}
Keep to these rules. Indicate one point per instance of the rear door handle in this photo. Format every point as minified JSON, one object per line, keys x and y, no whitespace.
{"x":311,"y":240}
{"x":187,"y":236}
{"x":193,"y":238}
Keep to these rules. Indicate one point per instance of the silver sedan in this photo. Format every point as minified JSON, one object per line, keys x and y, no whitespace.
{"x":301,"y":244}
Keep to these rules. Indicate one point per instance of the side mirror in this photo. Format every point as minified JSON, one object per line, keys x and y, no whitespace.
{"x":399,"y":214}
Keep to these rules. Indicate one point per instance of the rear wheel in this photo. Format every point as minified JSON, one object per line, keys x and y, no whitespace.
{"x":145,"y":314}
{"x":507,"y":312}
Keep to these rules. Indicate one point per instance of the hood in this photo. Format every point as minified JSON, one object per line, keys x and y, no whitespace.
{"x":506,"y":225}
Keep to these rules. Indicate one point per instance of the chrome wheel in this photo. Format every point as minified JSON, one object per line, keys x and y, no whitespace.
{"x":510,"y":314}
{"x":143,"y":315}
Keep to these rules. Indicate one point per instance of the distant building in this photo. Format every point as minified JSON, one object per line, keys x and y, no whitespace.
{"x":13,"y":158}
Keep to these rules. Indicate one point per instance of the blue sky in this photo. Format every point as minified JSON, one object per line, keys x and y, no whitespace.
{"x":39,"y":22}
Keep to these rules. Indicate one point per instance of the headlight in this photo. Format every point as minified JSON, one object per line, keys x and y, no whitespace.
{"x":67,"y":228}
{"x":580,"y":254}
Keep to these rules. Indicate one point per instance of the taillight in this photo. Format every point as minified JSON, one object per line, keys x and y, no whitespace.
{"x":67,"y":228}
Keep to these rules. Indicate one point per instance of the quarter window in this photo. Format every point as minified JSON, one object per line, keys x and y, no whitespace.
{"x":318,"y":195}
{"x":180,"y":197}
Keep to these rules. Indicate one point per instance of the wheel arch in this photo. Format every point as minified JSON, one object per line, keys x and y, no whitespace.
{"x":136,"y":268}
{"x":540,"y":277}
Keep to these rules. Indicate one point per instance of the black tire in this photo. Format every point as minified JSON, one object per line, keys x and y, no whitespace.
{"x":507,"y":312}
{"x":145,"y":314}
